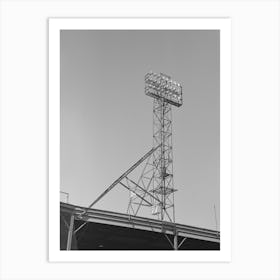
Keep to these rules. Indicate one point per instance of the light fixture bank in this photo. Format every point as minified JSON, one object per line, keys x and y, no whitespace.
{"x":162,"y":86}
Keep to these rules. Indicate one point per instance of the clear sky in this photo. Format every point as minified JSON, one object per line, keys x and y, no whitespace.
{"x":106,"y":119}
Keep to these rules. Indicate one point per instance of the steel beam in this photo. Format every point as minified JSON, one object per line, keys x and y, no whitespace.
{"x":175,"y":240}
{"x":145,"y":191}
{"x":70,"y":233}
{"x":120,"y":219}
{"x":150,"y":204}
{"x":121,"y":177}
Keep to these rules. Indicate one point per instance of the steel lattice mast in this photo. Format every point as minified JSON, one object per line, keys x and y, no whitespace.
{"x":155,"y":187}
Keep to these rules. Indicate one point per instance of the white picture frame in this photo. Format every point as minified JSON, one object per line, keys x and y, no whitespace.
{"x":223,"y":25}
{"x":24,"y":187}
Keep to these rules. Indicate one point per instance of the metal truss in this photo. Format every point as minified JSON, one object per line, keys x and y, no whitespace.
{"x":121,"y":178}
{"x":163,"y":184}
{"x":154,"y":188}
{"x":183,"y":232}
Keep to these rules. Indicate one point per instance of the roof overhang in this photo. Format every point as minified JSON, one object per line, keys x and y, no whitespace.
{"x":125,"y":220}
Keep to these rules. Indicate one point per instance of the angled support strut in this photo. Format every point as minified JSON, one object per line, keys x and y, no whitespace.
{"x":120,"y":178}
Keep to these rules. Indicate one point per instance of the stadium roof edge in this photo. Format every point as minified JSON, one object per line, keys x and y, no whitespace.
{"x":143,"y":223}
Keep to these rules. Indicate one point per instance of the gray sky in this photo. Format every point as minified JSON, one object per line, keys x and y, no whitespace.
{"x":106,"y":119}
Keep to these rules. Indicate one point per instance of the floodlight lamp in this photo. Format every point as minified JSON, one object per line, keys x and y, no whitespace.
{"x":163,"y":87}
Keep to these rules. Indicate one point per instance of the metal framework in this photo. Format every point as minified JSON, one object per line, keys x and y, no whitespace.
{"x":125,"y":220}
{"x":156,"y":181}
{"x":155,"y":186}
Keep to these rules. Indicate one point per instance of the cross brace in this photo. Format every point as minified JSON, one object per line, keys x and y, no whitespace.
{"x":120,"y":178}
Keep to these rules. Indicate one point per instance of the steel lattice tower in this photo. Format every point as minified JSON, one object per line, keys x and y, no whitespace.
{"x":155,"y":187}
{"x":163,"y":185}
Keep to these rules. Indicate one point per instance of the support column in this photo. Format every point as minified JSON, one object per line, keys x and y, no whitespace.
{"x":70,"y":233}
{"x":175,"y":240}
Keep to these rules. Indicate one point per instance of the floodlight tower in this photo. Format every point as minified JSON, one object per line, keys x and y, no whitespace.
{"x":165,"y":93}
{"x":156,"y":181}
{"x":155,"y":186}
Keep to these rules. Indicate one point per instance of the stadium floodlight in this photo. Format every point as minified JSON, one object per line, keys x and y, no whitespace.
{"x":163,"y":87}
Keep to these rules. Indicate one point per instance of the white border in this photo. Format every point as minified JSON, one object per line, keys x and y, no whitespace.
{"x":224,"y":25}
